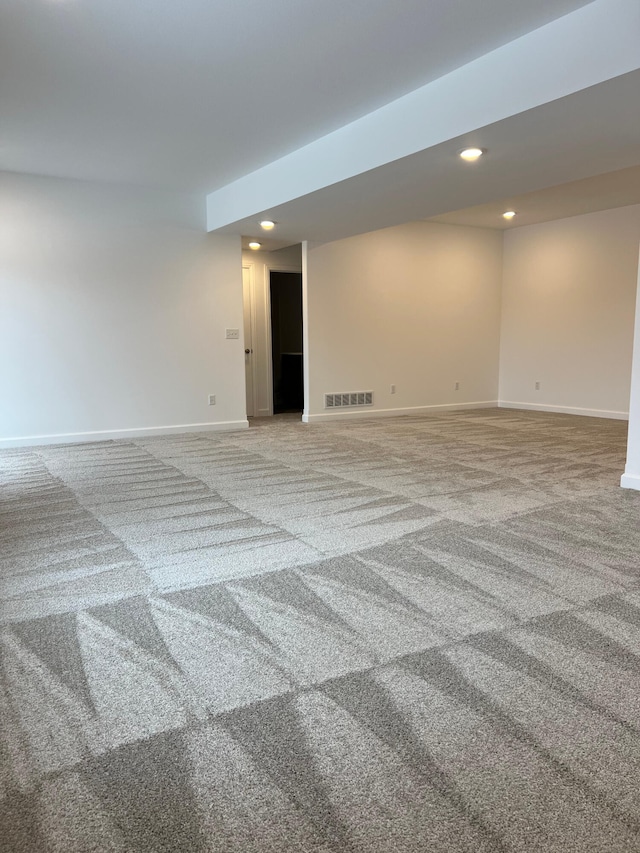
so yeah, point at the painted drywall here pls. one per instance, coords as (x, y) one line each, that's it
(631, 477)
(260, 265)
(114, 305)
(416, 306)
(582, 49)
(569, 292)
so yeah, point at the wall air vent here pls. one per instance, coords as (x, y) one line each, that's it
(350, 399)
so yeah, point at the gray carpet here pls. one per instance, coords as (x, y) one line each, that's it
(410, 634)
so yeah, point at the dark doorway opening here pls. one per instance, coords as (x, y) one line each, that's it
(286, 341)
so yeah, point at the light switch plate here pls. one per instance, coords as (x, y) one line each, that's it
(233, 334)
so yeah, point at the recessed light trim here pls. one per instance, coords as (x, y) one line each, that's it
(470, 155)
(267, 224)
(255, 245)
(509, 214)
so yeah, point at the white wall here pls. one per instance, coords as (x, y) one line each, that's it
(260, 265)
(569, 290)
(113, 306)
(114, 302)
(417, 306)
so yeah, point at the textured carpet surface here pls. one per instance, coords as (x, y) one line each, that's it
(411, 634)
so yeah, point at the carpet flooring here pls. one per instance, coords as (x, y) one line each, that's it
(408, 634)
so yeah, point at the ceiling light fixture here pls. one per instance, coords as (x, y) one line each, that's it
(508, 214)
(255, 245)
(470, 155)
(267, 225)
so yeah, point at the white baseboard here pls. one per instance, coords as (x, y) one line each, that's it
(565, 410)
(392, 413)
(453, 407)
(630, 481)
(110, 434)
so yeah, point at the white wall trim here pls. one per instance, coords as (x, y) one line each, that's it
(261, 266)
(392, 413)
(565, 410)
(269, 267)
(251, 269)
(630, 481)
(453, 407)
(306, 363)
(110, 434)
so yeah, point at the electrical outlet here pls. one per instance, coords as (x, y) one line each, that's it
(393, 389)
(537, 386)
(457, 388)
(233, 334)
(212, 399)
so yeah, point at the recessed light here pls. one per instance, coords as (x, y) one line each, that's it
(267, 224)
(254, 245)
(471, 154)
(508, 214)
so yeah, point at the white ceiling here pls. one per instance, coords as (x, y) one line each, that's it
(194, 94)
(601, 192)
(197, 94)
(592, 132)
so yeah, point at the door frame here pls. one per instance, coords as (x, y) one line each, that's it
(268, 269)
(252, 326)
(260, 271)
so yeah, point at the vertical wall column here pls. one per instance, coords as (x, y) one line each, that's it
(305, 330)
(631, 477)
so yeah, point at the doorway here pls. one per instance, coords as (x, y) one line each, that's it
(286, 341)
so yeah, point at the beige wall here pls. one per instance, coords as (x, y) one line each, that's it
(569, 291)
(416, 306)
(114, 305)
